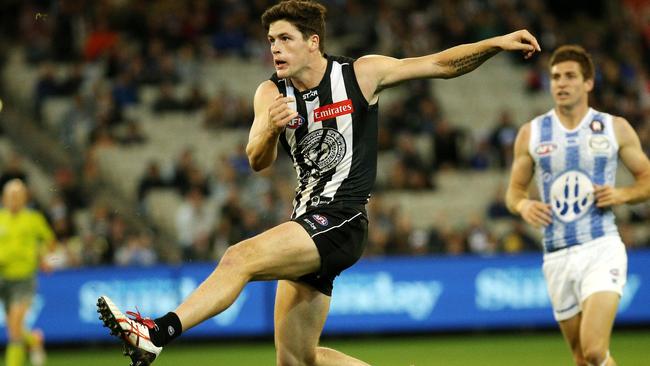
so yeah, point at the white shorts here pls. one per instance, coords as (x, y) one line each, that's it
(575, 273)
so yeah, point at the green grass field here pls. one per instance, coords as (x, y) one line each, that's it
(630, 348)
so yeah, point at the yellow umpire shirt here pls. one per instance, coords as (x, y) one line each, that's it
(21, 238)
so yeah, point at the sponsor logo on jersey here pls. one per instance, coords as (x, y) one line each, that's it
(596, 126)
(296, 122)
(310, 95)
(333, 110)
(572, 195)
(322, 220)
(545, 148)
(599, 144)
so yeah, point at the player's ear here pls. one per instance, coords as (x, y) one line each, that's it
(589, 84)
(314, 42)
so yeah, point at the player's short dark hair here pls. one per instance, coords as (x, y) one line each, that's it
(306, 15)
(575, 53)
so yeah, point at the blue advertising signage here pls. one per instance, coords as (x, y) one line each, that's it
(408, 294)
(65, 305)
(462, 293)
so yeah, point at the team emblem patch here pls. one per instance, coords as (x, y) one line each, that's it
(572, 195)
(323, 150)
(322, 220)
(296, 122)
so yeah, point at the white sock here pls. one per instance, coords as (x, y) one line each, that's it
(604, 363)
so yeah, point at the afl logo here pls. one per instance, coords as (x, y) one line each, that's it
(596, 126)
(545, 148)
(322, 220)
(296, 122)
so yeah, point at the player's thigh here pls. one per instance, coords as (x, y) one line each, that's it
(598, 313)
(300, 313)
(283, 252)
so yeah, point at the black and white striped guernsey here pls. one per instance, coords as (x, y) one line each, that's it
(333, 140)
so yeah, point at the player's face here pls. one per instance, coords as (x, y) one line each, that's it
(290, 51)
(568, 86)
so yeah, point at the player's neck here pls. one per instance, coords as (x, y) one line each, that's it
(570, 117)
(311, 75)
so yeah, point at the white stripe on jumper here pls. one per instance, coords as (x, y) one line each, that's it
(341, 224)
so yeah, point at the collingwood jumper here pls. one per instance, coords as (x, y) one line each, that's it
(333, 141)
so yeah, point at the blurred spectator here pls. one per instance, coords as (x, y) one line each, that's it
(131, 134)
(518, 240)
(182, 170)
(479, 238)
(195, 100)
(417, 174)
(125, 91)
(152, 179)
(502, 139)
(446, 146)
(77, 123)
(137, 251)
(167, 100)
(100, 40)
(497, 208)
(194, 225)
(46, 86)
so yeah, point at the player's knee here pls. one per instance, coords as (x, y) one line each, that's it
(287, 357)
(236, 255)
(595, 356)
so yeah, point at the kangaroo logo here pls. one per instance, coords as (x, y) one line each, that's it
(572, 195)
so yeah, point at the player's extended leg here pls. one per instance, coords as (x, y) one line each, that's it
(283, 252)
(15, 326)
(598, 313)
(571, 331)
(300, 313)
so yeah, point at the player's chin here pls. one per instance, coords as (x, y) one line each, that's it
(282, 73)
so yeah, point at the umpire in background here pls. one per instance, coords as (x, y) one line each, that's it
(24, 234)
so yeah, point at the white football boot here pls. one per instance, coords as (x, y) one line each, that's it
(133, 331)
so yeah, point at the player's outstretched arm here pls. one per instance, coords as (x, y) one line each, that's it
(272, 113)
(376, 72)
(533, 212)
(635, 160)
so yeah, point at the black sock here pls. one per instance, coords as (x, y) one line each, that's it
(168, 327)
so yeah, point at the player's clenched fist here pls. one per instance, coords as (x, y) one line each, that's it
(280, 113)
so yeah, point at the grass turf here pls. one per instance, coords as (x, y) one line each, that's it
(529, 349)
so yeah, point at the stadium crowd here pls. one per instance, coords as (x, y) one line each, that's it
(112, 49)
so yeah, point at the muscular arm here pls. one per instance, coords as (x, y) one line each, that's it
(522, 171)
(533, 212)
(271, 115)
(635, 161)
(376, 73)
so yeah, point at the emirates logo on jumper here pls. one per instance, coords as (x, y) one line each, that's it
(333, 110)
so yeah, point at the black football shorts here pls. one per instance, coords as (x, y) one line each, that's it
(340, 235)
